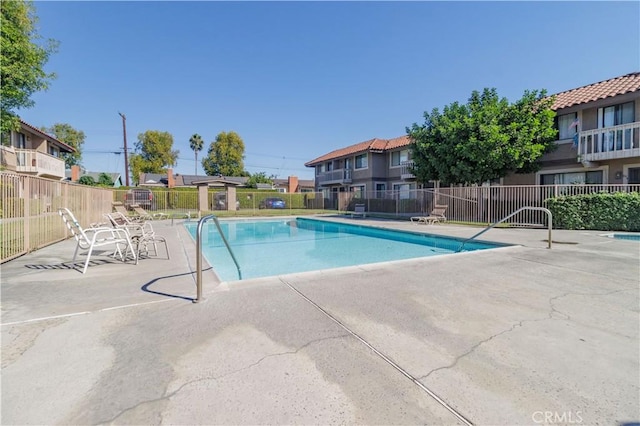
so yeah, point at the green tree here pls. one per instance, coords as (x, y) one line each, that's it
(154, 155)
(225, 156)
(196, 144)
(486, 138)
(87, 180)
(105, 180)
(72, 137)
(23, 55)
(257, 178)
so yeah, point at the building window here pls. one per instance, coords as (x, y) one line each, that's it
(330, 166)
(567, 126)
(358, 191)
(403, 190)
(572, 178)
(54, 151)
(320, 169)
(398, 157)
(613, 116)
(616, 114)
(21, 141)
(347, 163)
(380, 189)
(362, 161)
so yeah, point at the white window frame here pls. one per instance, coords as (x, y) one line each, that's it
(20, 142)
(564, 121)
(605, 173)
(625, 172)
(380, 193)
(396, 187)
(54, 151)
(355, 161)
(400, 160)
(362, 188)
(602, 109)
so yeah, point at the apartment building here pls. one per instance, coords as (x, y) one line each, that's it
(598, 136)
(374, 165)
(31, 151)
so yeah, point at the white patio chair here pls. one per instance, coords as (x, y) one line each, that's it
(141, 234)
(91, 238)
(142, 213)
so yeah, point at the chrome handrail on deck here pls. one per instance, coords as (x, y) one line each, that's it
(199, 253)
(547, 211)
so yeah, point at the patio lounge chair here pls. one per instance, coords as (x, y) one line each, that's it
(142, 213)
(436, 216)
(121, 209)
(141, 234)
(91, 238)
(359, 210)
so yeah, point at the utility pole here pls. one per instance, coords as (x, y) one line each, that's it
(126, 155)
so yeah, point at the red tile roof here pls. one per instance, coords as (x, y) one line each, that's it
(592, 92)
(374, 144)
(37, 131)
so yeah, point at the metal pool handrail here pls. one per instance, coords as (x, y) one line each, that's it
(547, 211)
(199, 253)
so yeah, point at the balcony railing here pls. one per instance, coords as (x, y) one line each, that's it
(609, 142)
(339, 176)
(406, 172)
(39, 164)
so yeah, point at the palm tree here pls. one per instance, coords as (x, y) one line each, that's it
(196, 145)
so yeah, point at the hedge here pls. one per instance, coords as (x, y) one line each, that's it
(618, 211)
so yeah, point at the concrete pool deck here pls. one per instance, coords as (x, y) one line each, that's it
(517, 335)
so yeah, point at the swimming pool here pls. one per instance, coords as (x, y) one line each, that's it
(274, 247)
(632, 237)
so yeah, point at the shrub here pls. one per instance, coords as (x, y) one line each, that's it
(618, 211)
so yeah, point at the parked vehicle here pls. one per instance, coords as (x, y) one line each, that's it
(220, 201)
(140, 196)
(272, 203)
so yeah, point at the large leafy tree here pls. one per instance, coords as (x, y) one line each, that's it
(260, 177)
(486, 138)
(196, 143)
(154, 154)
(66, 133)
(23, 55)
(225, 156)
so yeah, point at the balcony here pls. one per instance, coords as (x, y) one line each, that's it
(334, 177)
(406, 171)
(609, 143)
(29, 161)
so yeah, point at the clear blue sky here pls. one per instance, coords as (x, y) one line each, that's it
(299, 79)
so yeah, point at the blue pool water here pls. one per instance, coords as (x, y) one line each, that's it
(274, 247)
(633, 237)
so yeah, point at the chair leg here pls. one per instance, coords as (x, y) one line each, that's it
(75, 254)
(86, 262)
(166, 247)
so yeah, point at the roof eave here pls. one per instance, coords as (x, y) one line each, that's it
(50, 138)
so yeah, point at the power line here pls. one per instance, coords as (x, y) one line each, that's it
(277, 156)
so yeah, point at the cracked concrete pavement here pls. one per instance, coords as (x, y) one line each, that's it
(496, 336)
